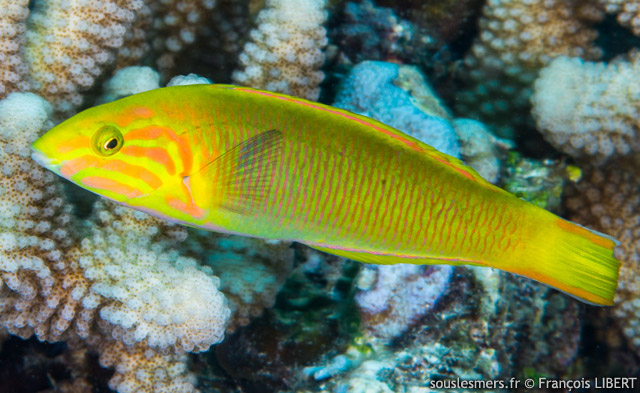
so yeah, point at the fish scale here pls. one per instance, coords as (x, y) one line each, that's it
(267, 165)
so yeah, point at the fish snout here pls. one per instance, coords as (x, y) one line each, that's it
(39, 155)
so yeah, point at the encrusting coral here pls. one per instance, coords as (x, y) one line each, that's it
(284, 52)
(397, 296)
(588, 109)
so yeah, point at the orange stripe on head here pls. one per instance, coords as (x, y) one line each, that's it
(156, 154)
(145, 133)
(154, 132)
(103, 183)
(78, 142)
(131, 114)
(134, 171)
(190, 209)
(71, 167)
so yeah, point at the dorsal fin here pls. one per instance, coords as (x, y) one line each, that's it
(397, 135)
(239, 178)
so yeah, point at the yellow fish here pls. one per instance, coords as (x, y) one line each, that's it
(251, 162)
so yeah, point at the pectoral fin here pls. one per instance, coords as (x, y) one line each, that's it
(240, 177)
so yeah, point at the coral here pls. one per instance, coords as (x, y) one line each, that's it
(175, 26)
(371, 89)
(628, 12)
(129, 80)
(608, 200)
(368, 32)
(68, 44)
(590, 109)
(13, 14)
(143, 289)
(141, 370)
(35, 230)
(191, 79)
(284, 52)
(540, 182)
(480, 149)
(516, 39)
(398, 296)
(486, 325)
(445, 20)
(251, 271)
(135, 41)
(121, 283)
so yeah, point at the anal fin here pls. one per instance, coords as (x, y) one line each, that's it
(389, 259)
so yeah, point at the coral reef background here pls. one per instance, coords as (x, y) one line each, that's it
(539, 96)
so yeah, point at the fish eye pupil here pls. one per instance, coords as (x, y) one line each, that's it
(111, 144)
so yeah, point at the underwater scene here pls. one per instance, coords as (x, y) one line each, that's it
(345, 196)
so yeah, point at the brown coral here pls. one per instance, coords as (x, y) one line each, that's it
(284, 53)
(608, 200)
(68, 44)
(13, 14)
(516, 39)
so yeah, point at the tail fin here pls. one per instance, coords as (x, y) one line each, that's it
(577, 261)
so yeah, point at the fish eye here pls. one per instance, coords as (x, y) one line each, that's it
(111, 144)
(107, 141)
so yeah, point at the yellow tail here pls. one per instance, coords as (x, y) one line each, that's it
(575, 260)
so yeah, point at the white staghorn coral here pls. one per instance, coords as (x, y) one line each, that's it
(284, 53)
(588, 109)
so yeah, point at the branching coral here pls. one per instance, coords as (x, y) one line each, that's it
(590, 109)
(35, 232)
(516, 39)
(69, 44)
(143, 288)
(122, 283)
(13, 15)
(284, 52)
(251, 271)
(628, 12)
(369, 32)
(175, 27)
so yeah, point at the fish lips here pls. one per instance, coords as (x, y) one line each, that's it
(44, 160)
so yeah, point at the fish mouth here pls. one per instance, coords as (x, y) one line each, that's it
(45, 161)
